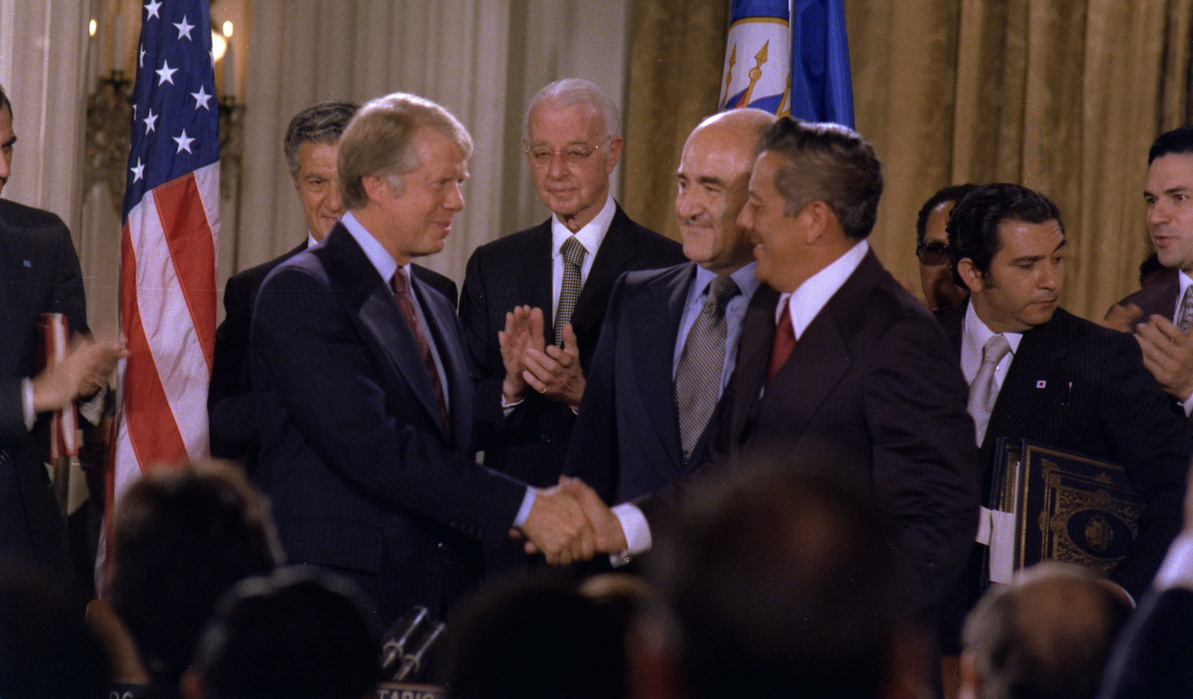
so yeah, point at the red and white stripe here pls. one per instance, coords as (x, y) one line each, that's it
(168, 312)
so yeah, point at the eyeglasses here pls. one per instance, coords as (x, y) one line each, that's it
(932, 254)
(575, 154)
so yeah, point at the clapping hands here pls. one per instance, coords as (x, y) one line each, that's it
(530, 362)
(81, 373)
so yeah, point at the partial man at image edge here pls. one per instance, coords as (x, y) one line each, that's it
(1160, 314)
(1039, 373)
(39, 273)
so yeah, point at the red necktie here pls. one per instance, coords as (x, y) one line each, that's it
(784, 342)
(406, 304)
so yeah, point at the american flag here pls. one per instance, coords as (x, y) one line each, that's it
(168, 246)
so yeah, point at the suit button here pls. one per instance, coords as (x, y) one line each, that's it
(441, 546)
(546, 438)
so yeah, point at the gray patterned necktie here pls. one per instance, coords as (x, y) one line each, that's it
(1185, 318)
(573, 257)
(698, 376)
(983, 392)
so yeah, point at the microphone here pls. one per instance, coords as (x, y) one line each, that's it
(412, 663)
(398, 637)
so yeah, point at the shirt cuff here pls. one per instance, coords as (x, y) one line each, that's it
(27, 403)
(93, 408)
(524, 510)
(1177, 569)
(1187, 405)
(507, 408)
(636, 530)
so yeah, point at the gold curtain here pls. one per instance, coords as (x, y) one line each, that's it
(1063, 96)
(677, 48)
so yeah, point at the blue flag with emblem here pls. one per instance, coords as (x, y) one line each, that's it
(789, 59)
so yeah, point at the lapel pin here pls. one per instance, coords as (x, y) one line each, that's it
(28, 264)
(1041, 384)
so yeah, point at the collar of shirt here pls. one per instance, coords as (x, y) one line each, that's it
(311, 242)
(743, 277)
(385, 264)
(735, 310)
(1184, 280)
(590, 236)
(974, 334)
(810, 298)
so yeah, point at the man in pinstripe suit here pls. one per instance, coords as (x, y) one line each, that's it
(572, 145)
(311, 146)
(1064, 382)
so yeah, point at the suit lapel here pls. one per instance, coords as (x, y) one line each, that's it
(1167, 293)
(821, 356)
(753, 356)
(441, 320)
(379, 315)
(10, 321)
(817, 363)
(618, 249)
(1024, 392)
(654, 333)
(533, 278)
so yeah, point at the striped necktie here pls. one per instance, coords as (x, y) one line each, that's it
(698, 375)
(573, 257)
(406, 305)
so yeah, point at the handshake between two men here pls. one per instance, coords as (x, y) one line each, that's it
(569, 522)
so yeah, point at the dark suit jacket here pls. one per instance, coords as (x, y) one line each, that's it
(1154, 653)
(516, 270)
(873, 392)
(1158, 298)
(39, 273)
(1078, 386)
(626, 440)
(231, 407)
(363, 476)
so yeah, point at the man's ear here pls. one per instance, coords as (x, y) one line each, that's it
(615, 145)
(818, 218)
(969, 274)
(375, 187)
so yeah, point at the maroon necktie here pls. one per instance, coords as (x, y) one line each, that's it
(784, 342)
(406, 304)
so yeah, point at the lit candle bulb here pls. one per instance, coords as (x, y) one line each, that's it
(229, 64)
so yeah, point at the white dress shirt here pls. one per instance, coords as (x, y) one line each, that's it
(590, 236)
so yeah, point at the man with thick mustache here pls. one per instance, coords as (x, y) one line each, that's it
(1055, 378)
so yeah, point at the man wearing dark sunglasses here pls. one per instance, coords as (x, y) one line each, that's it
(932, 249)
